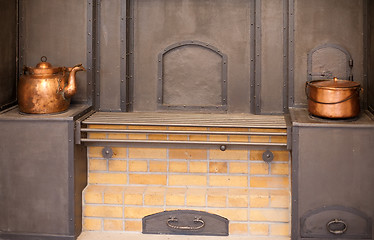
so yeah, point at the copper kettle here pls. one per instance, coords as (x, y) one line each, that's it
(46, 89)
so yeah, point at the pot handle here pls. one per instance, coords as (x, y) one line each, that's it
(307, 86)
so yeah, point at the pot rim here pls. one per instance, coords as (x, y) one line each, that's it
(351, 84)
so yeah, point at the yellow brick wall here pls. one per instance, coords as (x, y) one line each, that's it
(236, 184)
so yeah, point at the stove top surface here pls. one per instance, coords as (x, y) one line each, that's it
(301, 117)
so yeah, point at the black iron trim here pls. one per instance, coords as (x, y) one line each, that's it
(96, 43)
(130, 16)
(291, 52)
(257, 69)
(160, 77)
(252, 32)
(71, 205)
(285, 54)
(365, 84)
(90, 50)
(33, 236)
(295, 184)
(123, 60)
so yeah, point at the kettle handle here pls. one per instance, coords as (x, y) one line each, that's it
(25, 69)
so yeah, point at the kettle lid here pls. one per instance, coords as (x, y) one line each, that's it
(43, 64)
(44, 67)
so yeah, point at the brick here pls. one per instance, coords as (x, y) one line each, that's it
(188, 154)
(95, 152)
(139, 127)
(195, 197)
(91, 224)
(117, 136)
(218, 138)
(147, 153)
(187, 180)
(93, 197)
(281, 229)
(198, 137)
(96, 135)
(279, 139)
(224, 129)
(113, 225)
(228, 154)
(187, 128)
(259, 199)
(103, 211)
(269, 215)
(238, 228)
(259, 168)
(269, 182)
(178, 166)
(133, 198)
(218, 167)
(157, 137)
(238, 198)
(283, 156)
(278, 155)
(178, 137)
(158, 166)
(175, 196)
(97, 165)
(140, 212)
(280, 169)
(137, 136)
(238, 167)
(269, 130)
(138, 166)
(99, 126)
(117, 165)
(239, 138)
(119, 152)
(133, 226)
(259, 139)
(228, 181)
(259, 229)
(113, 197)
(234, 214)
(107, 178)
(216, 197)
(148, 179)
(280, 199)
(154, 196)
(198, 167)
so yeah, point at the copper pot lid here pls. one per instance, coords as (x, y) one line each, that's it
(44, 67)
(334, 84)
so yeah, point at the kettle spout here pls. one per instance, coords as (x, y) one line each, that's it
(71, 88)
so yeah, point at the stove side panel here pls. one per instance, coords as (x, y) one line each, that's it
(34, 179)
(333, 180)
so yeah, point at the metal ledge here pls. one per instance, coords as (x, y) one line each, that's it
(227, 124)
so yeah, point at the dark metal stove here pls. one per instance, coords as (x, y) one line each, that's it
(332, 177)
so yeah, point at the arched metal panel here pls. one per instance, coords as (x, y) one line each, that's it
(192, 75)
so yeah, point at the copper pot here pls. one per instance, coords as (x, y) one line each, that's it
(333, 98)
(46, 89)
